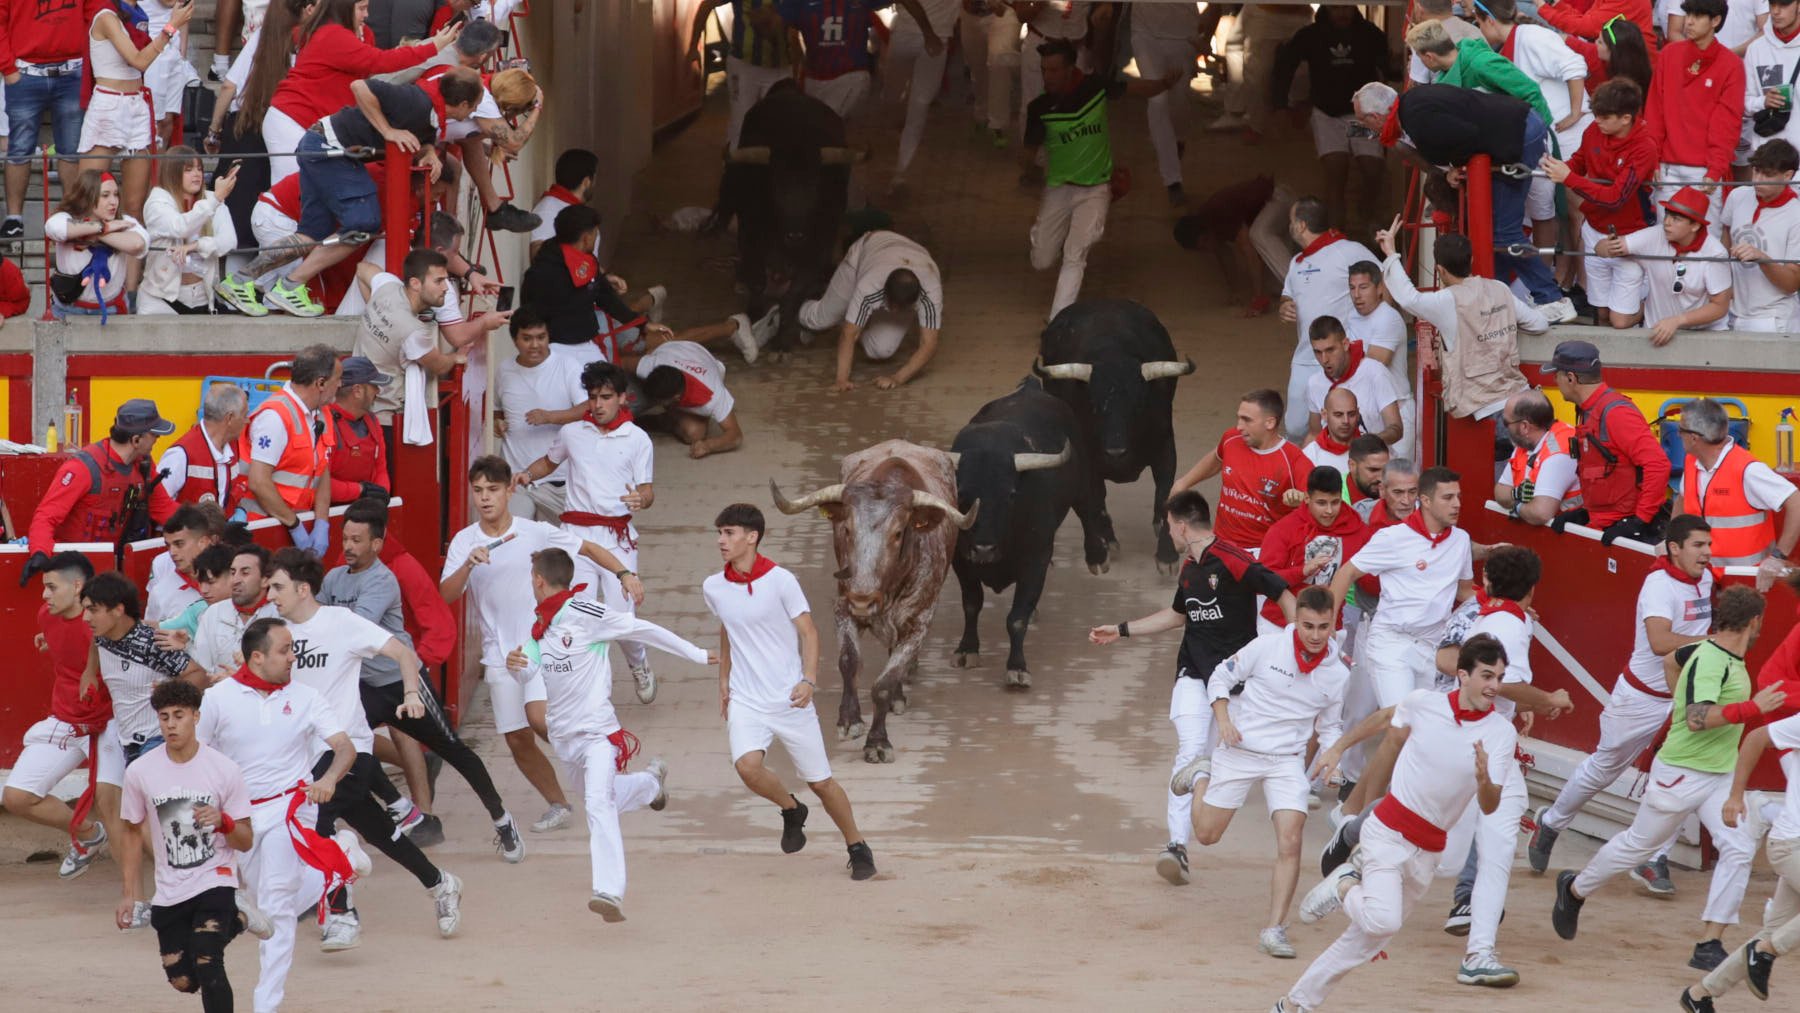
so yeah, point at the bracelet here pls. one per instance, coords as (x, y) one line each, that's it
(1124, 629)
(622, 574)
(169, 31)
(226, 823)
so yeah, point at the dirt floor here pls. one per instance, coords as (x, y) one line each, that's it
(1015, 832)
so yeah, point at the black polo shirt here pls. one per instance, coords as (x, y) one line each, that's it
(1217, 594)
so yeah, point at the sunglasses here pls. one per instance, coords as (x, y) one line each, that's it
(1680, 273)
(1685, 431)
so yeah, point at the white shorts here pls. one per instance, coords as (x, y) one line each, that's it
(1235, 771)
(55, 749)
(269, 225)
(168, 78)
(1540, 200)
(1615, 283)
(119, 122)
(798, 729)
(1331, 136)
(843, 93)
(509, 694)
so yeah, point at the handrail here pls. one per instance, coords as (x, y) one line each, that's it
(1594, 535)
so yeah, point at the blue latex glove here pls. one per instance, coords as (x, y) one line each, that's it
(321, 537)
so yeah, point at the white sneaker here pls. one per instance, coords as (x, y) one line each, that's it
(764, 330)
(75, 863)
(507, 840)
(351, 846)
(342, 932)
(744, 338)
(406, 815)
(646, 683)
(140, 914)
(1559, 312)
(448, 895)
(1328, 896)
(1486, 969)
(1229, 121)
(1286, 1005)
(659, 298)
(555, 818)
(255, 922)
(659, 769)
(608, 907)
(1183, 781)
(1274, 941)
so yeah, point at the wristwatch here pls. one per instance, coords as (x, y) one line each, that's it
(622, 574)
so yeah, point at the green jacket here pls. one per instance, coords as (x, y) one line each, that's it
(1478, 66)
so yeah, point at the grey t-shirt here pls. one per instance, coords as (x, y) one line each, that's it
(391, 336)
(373, 594)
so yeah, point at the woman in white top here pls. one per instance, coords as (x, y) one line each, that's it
(190, 233)
(119, 118)
(95, 248)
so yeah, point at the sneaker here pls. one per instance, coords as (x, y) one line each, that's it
(13, 229)
(1543, 839)
(793, 823)
(76, 861)
(448, 895)
(646, 683)
(255, 922)
(140, 914)
(659, 299)
(343, 931)
(1182, 783)
(294, 300)
(507, 840)
(1336, 851)
(764, 330)
(1286, 1005)
(1757, 965)
(1172, 864)
(1559, 312)
(862, 861)
(241, 296)
(1328, 896)
(1177, 196)
(1696, 1004)
(428, 833)
(608, 907)
(998, 138)
(407, 816)
(507, 218)
(1654, 874)
(1274, 942)
(556, 817)
(1486, 969)
(744, 338)
(1458, 922)
(659, 769)
(1565, 916)
(1228, 123)
(351, 846)
(1707, 955)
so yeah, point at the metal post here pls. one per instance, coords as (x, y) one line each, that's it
(396, 205)
(1480, 223)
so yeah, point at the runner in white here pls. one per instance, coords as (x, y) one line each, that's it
(768, 671)
(1316, 285)
(540, 392)
(1378, 325)
(567, 650)
(1289, 686)
(171, 587)
(217, 641)
(885, 284)
(1343, 365)
(1162, 43)
(491, 559)
(911, 73)
(1340, 424)
(128, 660)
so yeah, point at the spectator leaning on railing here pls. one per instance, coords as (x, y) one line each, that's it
(1540, 481)
(190, 233)
(1762, 225)
(1736, 493)
(1623, 471)
(1679, 294)
(95, 244)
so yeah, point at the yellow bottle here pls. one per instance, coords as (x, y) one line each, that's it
(50, 438)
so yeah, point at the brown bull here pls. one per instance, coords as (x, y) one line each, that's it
(893, 527)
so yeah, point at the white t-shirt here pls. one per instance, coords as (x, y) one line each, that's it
(166, 594)
(878, 254)
(239, 72)
(1384, 328)
(1280, 707)
(163, 794)
(329, 650)
(1762, 487)
(1687, 607)
(759, 623)
(605, 465)
(268, 433)
(1699, 280)
(486, 109)
(1738, 27)
(1319, 284)
(1514, 634)
(1785, 734)
(1372, 385)
(1551, 64)
(547, 208)
(1320, 456)
(502, 585)
(1776, 232)
(1434, 775)
(572, 657)
(553, 385)
(1556, 473)
(705, 394)
(272, 739)
(1418, 579)
(219, 638)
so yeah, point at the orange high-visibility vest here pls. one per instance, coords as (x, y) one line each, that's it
(302, 462)
(1526, 464)
(1741, 534)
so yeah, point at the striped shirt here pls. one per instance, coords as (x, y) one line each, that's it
(836, 33)
(751, 46)
(878, 254)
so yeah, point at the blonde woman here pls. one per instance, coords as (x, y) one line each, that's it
(190, 233)
(120, 117)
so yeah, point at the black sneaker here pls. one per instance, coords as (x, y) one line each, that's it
(1460, 917)
(1543, 839)
(1757, 965)
(1337, 850)
(1177, 196)
(1566, 915)
(793, 827)
(13, 229)
(507, 218)
(1345, 789)
(862, 861)
(1707, 955)
(429, 831)
(1172, 864)
(1703, 1004)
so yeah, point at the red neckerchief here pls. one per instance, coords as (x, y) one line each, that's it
(1350, 368)
(1325, 239)
(762, 565)
(1416, 521)
(618, 420)
(1463, 716)
(436, 93)
(1789, 37)
(1489, 606)
(1676, 572)
(1507, 48)
(1390, 129)
(1787, 194)
(1380, 518)
(1324, 439)
(1693, 247)
(584, 267)
(562, 193)
(1306, 667)
(1703, 58)
(254, 681)
(549, 607)
(187, 581)
(252, 610)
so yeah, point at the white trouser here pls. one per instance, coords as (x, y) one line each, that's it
(990, 47)
(1296, 417)
(284, 886)
(908, 68)
(539, 501)
(1397, 663)
(1613, 283)
(1070, 219)
(843, 93)
(270, 226)
(1166, 111)
(591, 763)
(829, 310)
(1269, 234)
(1191, 713)
(1628, 725)
(611, 591)
(1673, 795)
(281, 136)
(1781, 918)
(1496, 844)
(746, 84)
(1359, 701)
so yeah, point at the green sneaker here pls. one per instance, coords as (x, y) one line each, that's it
(241, 295)
(999, 138)
(293, 300)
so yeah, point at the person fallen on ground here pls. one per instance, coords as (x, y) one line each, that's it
(1676, 294)
(1344, 365)
(1251, 219)
(885, 286)
(1540, 480)
(1762, 225)
(687, 383)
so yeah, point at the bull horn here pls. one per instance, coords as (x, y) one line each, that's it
(1167, 370)
(1063, 370)
(962, 521)
(829, 494)
(1038, 462)
(753, 155)
(840, 156)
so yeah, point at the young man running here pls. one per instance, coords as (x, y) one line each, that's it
(330, 644)
(1443, 751)
(217, 640)
(768, 670)
(270, 726)
(1288, 684)
(172, 587)
(609, 479)
(201, 808)
(128, 660)
(1674, 609)
(491, 559)
(567, 650)
(1215, 606)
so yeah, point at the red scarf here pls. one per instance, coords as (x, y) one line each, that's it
(1787, 194)
(1463, 716)
(1380, 518)
(627, 744)
(1325, 239)
(563, 193)
(1390, 130)
(1416, 521)
(1489, 606)
(618, 420)
(1325, 440)
(1789, 37)
(187, 581)
(1703, 58)
(583, 266)
(320, 852)
(549, 607)
(1693, 247)
(762, 565)
(1306, 667)
(1350, 368)
(1676, 572)
(1508, 47)
(252, 610)
(254, 681)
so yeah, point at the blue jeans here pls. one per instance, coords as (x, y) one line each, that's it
(336, 193)
(26, 102)
(134, 750)
(1509, 219)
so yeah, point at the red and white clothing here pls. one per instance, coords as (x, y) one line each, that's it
(189, 861)
(217, 644)
(73, 257)
(1318, 280)
(1774, 228)
(1366, 378)
(703, 377)
(1251, 486)
(277, 212)
(329, 650)
(55, 746)
(1695, 111)
(758, 613)
(1322, 450)
(1611, 175)
(548, 207)
(116, 119)
(319, 85)
(1419, 575)
(1298, 538)
(1286, 696)
(605, 465)
(1496, 834)
(168, 592)
(183, 468)
(1700, 279)
(1385, 329)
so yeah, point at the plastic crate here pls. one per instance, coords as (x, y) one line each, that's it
(255, 388)
(1669, 430)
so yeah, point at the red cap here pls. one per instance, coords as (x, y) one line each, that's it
(1689, 203)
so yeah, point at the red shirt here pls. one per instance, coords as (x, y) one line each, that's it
(15, 297)
(70, 641)
(69, 489)
(329, 62)
(1695, 109)
(43, 31)
(1251, 488)
(1783, 669)
(1627, 164)
(1284, 551)
(1597, 71)
(1586, 22)
(356, 459)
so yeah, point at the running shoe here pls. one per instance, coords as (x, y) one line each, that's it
(1654, 874)
(1486, 969)
(351, 846)
(241, 295)
(1559, 311)
(75, 862)
(1458, 922)
(659, 769)
(1696, 1004)
(608, 907)
(507, 218)
(407, 816)
(998, 138)
(1286, 1005)
(294, 300)
(556, 817)
(793, 827)
(646, 682)
(744, 338)
(1565, 916)
(1177, 196)
(448, 895)
(428, 833)
(763, 330)
(1274, 942)
(1182, 783)
(862, 861)
(1328, 896)
(14, 228)
(1707, 955)
(1337, 849)
(255, 922)
(140, 914)
(343, 931)
(1757, 965)
(507, 840)
(1172, 864)
(1543, 839)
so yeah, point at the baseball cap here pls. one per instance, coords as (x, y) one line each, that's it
(1689, 203)
(138, 416)
(358, 369)
(1573, 357)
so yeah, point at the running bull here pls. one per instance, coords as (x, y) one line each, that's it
(1112, 361)
(1021, 458)
(893, 525)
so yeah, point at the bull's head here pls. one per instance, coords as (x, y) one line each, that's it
(1119, 391)
(796, 185)
(875, 527)
(992, 477)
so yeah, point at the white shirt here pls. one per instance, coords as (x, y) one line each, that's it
(764, 646)
(1785, 734)
(1768, 63)
(1738, 27)
(239, 72)
(1776, 232)
(1061, 19)
(1434, 775)
(1556, 473)
(73, 257)
(1439, 309)
(1319, 284)
(1514, 635)
(1699, 280)
(1280, 707)
(175, 461)
(329, 650)
(875, 256)
(1418, 580)
(1762, 487)
(1372, 386)
(1320, 456)
(547, 208)
(606, 465)
(705, 394)
(486, 109)
(268, 433)
(271, 738)
(131, 667)
(577, 675)
(218, 639)
(552, 385)
(1542, 55)
(166, 594)
(502, 585)
(1384, 328)
(1687, 607)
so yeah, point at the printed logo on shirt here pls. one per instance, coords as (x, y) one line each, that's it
(309, 657)
(1697, 610)
(67, 477)
(183, 841)
(1420, 566)
(1204, 611)
(46, 8)
(831, 30)
(1269, 486)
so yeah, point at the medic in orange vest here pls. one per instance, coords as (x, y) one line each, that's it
(87, 497)
(1736, 493)
(285, 450)
(1540, 480)
(202, 465)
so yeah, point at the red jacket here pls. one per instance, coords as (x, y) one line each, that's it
(15, 297)
(356, 459)
(1618, 194)
(329, 62)
(1622, 466)
(1598, 73)
(43, 31)
(74, 510)
(1586, 23)
(1783, 669)
(1284, 549)
(429, 620)
(1695, 109)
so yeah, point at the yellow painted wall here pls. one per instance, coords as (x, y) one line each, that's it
(177, 398)
(1765, 412)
